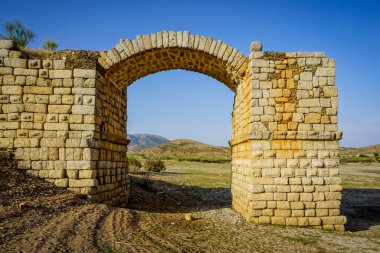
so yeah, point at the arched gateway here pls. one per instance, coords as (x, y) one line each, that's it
(64, 115)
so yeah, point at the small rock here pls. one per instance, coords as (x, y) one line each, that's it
(189, 217)
(23, 205)
(256, 46)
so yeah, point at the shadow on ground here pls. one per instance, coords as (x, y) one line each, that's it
(163, 197)
(361, 207)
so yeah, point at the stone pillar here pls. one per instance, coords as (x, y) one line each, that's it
(111, 143)
(47, 115)
(285, 167)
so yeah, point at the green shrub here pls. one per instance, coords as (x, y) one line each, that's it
(134, 163)
(154, 164)
(357, 159)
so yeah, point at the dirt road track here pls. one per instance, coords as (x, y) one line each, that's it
(38, 217)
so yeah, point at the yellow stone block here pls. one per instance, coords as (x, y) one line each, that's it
(313, 118)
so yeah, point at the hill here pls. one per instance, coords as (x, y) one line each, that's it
(369, 150)
(185, 149)
(142, 141)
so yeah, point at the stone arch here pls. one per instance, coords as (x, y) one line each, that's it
(64, 115)
(130, 60)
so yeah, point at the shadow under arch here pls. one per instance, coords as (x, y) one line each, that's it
(160, 196)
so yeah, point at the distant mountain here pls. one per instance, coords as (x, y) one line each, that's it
(190, 150)
(141, 141)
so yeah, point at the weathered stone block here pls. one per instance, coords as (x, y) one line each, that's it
(15, 63)
(7, 44)
(87, 173)
(258, 204)
(53, 142)
(11, 90)
(282, 212)
(84, 91)
(57, 173)
(38, 90)
(334, 220)
(25, 72)
(303, 221)
(59, 109)
(56, 126)
(60, 73)
(278, 220)
(82, 182)
(264, 220)
(84, 73)
(11, 108)
(83, 109)
(81, 165)
(291, 221)
(62, 182)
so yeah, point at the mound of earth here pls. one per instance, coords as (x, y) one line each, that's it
(189, 148)
(368, 150)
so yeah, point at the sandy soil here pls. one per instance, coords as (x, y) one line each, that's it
(370, 169)
(38, 217)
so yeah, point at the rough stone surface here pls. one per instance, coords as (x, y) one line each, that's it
(66, 121)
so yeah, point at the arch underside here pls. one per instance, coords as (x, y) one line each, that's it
(142, 64)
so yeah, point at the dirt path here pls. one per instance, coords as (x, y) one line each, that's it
(371, 170)
(38, 217)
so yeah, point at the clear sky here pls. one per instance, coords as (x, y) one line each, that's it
(180, 104)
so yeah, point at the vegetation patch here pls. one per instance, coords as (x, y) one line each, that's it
(154, 164)
(188, 150)
(360, 159)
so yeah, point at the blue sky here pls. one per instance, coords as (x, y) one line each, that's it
(180, 104)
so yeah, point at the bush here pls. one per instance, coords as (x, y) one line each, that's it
(17, 32)
(50, 45)
(134, 163)
(154, 164)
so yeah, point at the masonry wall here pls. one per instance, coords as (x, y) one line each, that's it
(285, 169)
(47, 117)
(111, 143)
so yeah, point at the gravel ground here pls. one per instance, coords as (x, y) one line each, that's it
(35, 216)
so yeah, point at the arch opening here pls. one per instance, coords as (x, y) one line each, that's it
(184, 104)
(200, 182)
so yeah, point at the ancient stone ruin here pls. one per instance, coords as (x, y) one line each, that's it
(64, 116)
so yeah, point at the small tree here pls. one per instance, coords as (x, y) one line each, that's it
(17, 32)
(154, 164)
(50, 44)
(134, 163)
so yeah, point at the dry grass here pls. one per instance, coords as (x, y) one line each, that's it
(39, 53)
(189, 150)
(357, 151)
